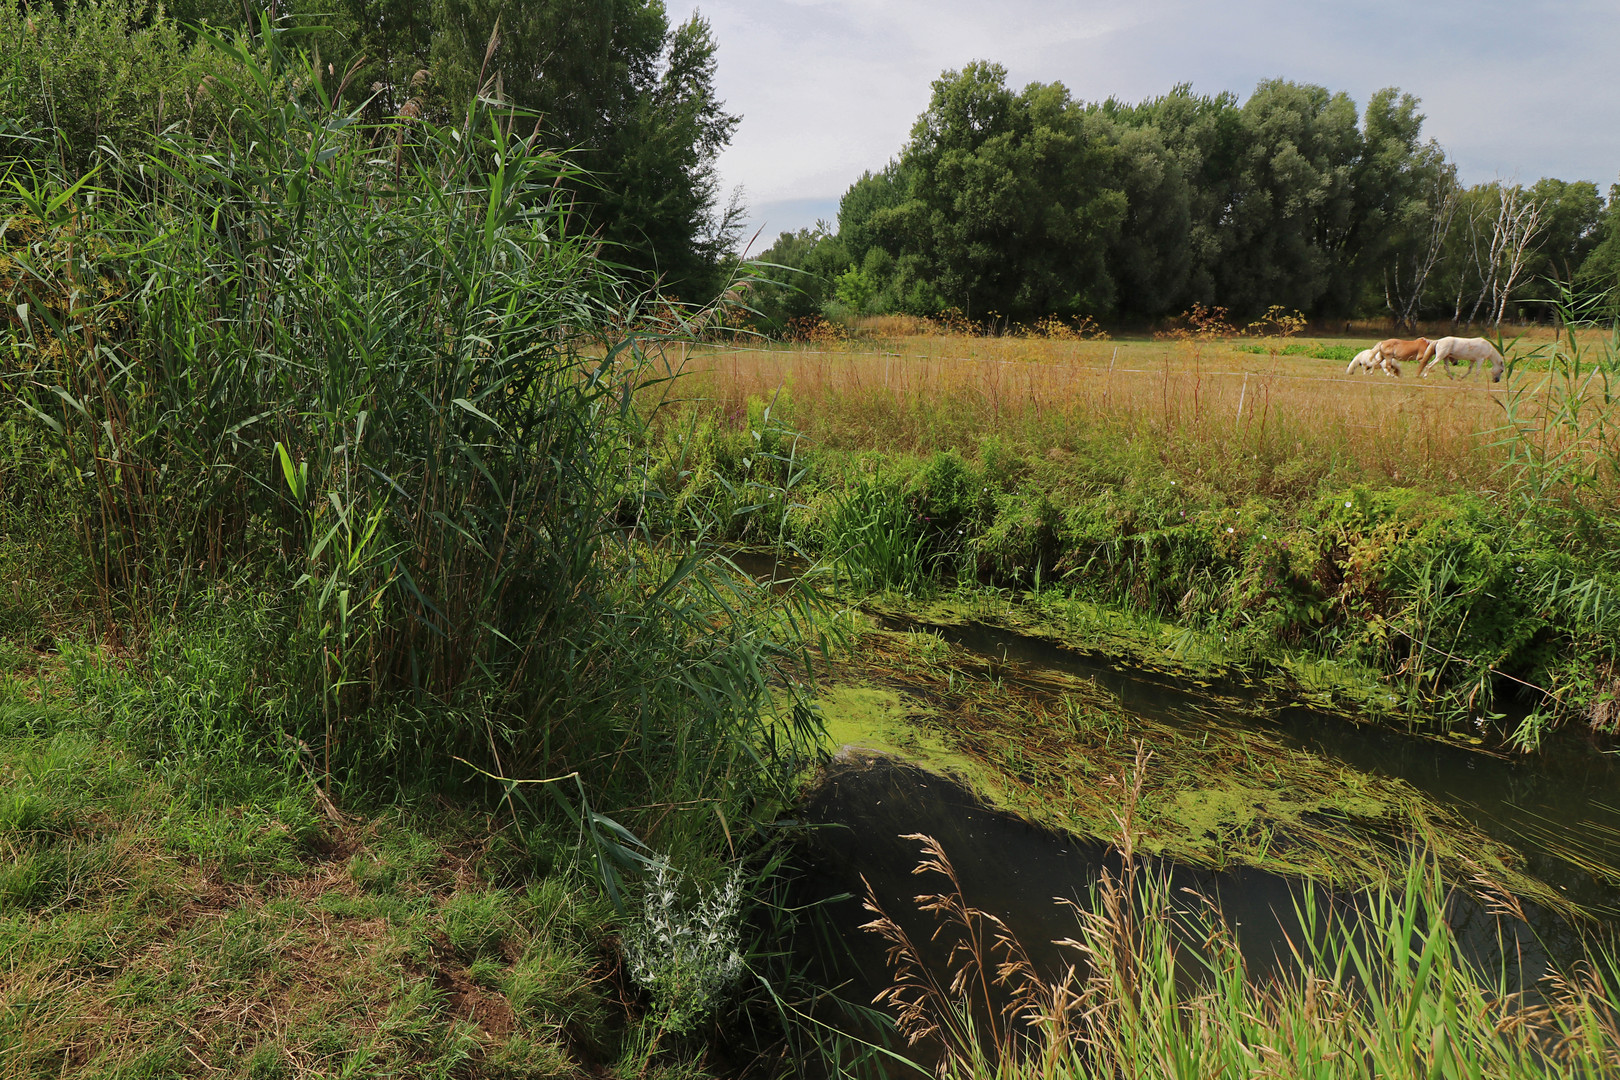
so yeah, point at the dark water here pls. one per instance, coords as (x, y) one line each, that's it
(864, 807)
(1556, 808)
(868, 805)
(1560, 807)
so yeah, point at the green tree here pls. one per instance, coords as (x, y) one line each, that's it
(1205, 137)
(1572, 215)
(1415, 263)
(1294, 205)
(1028, 203)
(865, 199)
(1011, 206)
(631, 98)
(797, 275)
(878, 230)
(1151, 259)
(1598, 278)
(1403, 186)
(636, 101)
(86, 79)
(856, 291)
(377, 52)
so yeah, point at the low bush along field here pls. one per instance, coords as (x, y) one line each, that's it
(1452, 537)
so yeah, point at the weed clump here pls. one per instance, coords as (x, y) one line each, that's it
(685, 955)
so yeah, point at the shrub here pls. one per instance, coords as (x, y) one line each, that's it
(686, 955)
(82, 81)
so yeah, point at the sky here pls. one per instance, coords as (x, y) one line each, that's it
(1513, 89)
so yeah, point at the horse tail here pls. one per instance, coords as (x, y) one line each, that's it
(1431, 356)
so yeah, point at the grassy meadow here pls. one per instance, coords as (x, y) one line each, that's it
(930, 392)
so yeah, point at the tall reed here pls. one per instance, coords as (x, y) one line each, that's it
(364, 373)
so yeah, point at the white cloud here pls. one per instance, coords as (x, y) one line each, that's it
(829, 88)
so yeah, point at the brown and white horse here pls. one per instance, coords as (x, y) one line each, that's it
(1402, 350)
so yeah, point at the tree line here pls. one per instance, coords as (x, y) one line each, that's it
(627, 96)
(1024, 204)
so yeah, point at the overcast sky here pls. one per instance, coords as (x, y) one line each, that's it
(1513, 89)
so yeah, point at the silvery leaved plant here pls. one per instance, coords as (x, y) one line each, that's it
(686, 956)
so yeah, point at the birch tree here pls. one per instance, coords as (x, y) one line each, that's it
(1517, 227)
(1407, 278)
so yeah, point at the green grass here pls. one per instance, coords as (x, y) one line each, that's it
(1315, 350)
(322, 499)
(399, 527)
(145, 930)
(363, 644)
(1461, 603)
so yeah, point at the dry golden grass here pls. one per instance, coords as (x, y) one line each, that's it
(892, 326)
(926, 393)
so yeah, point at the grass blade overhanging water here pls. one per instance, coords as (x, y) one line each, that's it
(1382, 989)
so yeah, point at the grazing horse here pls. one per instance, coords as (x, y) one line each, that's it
(1475, 350)
(1367, 359)
(1400, 349)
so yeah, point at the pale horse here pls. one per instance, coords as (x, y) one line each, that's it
(1475, 350)
(1367, 359)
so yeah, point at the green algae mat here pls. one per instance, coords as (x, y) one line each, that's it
(1061, 751)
